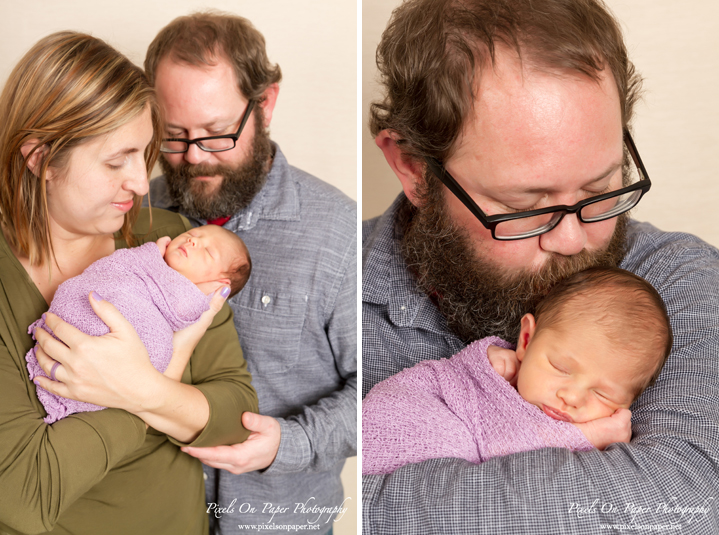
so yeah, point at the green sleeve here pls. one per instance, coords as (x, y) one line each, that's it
(45, 468)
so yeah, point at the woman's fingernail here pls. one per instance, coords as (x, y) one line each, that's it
(44, 317)
(96, 296)
(225, 292)
(37, 383)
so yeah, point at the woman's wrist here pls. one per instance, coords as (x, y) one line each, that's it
(174, 408)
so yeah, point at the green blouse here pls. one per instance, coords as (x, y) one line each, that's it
(101, 472)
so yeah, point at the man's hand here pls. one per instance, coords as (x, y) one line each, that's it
(605, 431)
(255, 453)
(505, 363)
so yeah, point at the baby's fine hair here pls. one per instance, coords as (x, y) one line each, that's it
(626, 307)
(239, 272)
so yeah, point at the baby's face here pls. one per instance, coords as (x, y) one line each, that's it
(203, 254)
(575, 376)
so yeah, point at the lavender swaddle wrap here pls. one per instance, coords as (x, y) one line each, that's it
(457, 407)
(153, 297)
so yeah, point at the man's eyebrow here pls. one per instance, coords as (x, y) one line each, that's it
(205, 126)
(611, 169)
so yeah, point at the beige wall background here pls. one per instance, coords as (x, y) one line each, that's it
(674, 45)
(315, 43)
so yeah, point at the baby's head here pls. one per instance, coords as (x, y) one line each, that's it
(595, 343)
(210, 256)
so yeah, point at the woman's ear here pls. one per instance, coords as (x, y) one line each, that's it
(34, 158)
(526, 332)
(407, 170)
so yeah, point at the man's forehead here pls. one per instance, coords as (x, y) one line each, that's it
(531, 121)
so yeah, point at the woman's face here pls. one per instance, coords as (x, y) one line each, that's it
(94, 191)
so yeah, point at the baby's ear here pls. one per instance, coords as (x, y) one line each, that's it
(526, 333)
(162, 244)
(211, 287)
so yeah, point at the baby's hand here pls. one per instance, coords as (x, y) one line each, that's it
(162, 244)
(505, 363)
(608, 430)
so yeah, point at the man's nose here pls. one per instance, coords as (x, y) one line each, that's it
(195, 155)
(567, 238)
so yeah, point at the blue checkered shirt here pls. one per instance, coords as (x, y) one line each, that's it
(666, 479)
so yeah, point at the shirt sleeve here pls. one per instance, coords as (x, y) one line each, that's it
(666, 476)
(325, 433)
(46, 468)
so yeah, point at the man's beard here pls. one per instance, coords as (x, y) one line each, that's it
(478, 297)
(237, 189)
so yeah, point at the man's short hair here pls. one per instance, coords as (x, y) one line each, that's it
(202, 38)
(624, 306)
(431, 50)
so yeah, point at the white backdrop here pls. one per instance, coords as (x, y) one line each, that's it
(314, 42)
(674, 45)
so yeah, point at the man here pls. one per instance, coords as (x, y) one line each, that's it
(296, 318)
(493, 112)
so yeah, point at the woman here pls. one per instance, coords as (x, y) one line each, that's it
(80, 133)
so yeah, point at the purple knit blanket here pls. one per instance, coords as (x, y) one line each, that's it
(152, 296)
(457, 407)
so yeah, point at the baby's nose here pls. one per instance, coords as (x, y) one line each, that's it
(571, 396)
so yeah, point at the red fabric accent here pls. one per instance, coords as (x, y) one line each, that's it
(219, 221)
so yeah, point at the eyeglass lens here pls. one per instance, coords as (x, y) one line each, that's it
(596, 211)
(207, 145)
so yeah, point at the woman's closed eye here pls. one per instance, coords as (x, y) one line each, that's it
(117, 163)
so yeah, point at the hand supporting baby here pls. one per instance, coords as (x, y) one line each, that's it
(185, 341)
(600, 432)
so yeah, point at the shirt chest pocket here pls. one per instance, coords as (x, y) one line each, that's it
(270, 325)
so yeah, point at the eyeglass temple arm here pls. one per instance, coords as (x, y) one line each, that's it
(452, 185)
(246, 116)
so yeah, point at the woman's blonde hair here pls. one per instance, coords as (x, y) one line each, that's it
(68, 89)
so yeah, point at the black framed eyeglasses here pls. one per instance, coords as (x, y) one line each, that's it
(208, 144)
(522, 225)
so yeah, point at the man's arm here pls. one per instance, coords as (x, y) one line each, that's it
(666, 476)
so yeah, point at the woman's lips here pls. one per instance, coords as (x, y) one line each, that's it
(123, 206)
(557, 415)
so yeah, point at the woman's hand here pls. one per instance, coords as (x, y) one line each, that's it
(113, 370)
(185, 341)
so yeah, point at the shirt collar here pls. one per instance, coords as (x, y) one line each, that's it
(386, 279)
(278, 199)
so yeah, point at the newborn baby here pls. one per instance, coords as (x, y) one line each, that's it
(158, 287)
(594, 344)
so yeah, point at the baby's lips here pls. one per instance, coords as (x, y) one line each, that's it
(556, 414)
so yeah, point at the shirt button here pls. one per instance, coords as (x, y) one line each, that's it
(266, 299)
(403, 307)
(204, 475)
